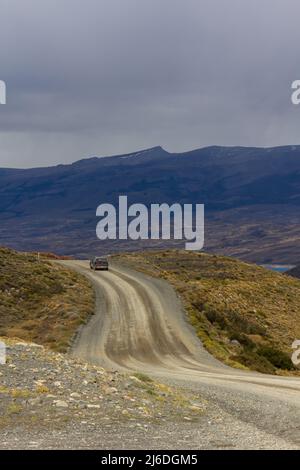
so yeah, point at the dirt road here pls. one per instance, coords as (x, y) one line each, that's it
(140, 325)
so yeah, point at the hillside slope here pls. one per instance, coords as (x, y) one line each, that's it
(294, 272)
(245, 191)
(41, 301)
(245, 315)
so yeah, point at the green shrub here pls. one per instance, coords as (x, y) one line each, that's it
(278, 358)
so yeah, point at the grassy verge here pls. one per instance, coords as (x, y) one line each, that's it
(245, 315)
(41, 301)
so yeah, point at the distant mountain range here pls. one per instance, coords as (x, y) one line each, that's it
(251, 195)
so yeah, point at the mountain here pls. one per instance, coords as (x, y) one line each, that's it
(251, 197)
(295, 272)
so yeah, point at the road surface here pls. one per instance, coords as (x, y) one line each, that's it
(139, 325)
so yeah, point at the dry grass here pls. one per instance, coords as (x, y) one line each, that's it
(245, 315)
(41, 301)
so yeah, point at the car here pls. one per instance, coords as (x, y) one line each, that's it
(99, 262)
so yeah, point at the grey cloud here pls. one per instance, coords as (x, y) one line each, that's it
(109, 76)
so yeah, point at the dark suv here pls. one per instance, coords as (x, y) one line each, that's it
(99, 262)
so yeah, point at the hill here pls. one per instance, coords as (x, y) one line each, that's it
(245, 315)
(251, 196)
(41, 301)
(294, 272)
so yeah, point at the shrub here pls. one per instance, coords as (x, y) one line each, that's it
(278, 358)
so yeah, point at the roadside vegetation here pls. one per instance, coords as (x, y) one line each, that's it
(41, 301)
(245, 315)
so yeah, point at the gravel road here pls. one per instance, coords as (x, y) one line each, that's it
(140, 325)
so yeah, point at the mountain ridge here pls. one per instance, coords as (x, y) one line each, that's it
(212, 148)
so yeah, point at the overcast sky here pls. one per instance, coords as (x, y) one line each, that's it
(102, 77)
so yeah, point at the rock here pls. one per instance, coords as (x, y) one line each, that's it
(37, 346)
(111, 390)
(128, 385)
(195, 408)
(35, 401)
(75, 395)
(135, 379)
(89, 405)
(61, 404)
(33, 443)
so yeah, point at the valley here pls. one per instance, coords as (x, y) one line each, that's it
(250, 194)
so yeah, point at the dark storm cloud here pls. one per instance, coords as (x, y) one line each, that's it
(99, 77)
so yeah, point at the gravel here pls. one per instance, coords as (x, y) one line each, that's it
(51, 401)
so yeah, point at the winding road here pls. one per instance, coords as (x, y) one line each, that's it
(140, 325)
